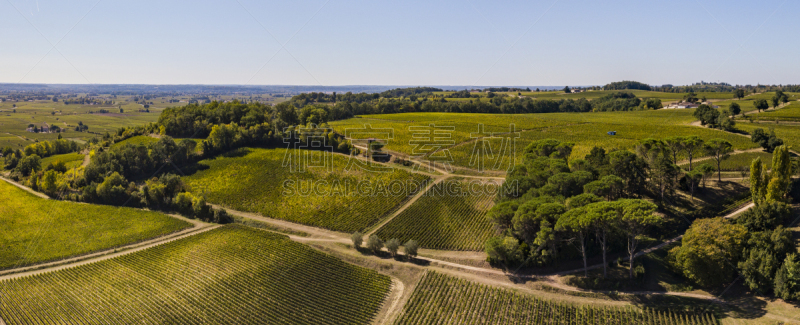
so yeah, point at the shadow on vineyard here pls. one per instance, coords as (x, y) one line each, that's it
(387, 256)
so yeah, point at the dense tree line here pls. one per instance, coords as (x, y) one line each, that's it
(619, 101)
(713, 118)
(754, 245)
(626, 84)
(548, 203)
(23, 163)
(499, 104)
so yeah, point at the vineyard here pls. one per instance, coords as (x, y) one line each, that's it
(559, 94)
(71, 160)
(451, 215)
(230, 275)
(441, 299)
(736, 162)
(585, 136)
(789, 113)
(36, 230)
(586, 130)
(340, 197)
(789, 133)
(137, 140)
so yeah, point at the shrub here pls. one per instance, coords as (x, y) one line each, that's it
(374, 244)
(393, 245)
(358, 239)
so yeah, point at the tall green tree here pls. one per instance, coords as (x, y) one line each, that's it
(735, 109)
(760, 104)
(637, 216)
(707, 115)
(691, 145)
(710, 251)
(719, 149)
(603, 218)
(758, 181)
(780, 177)
(739, 93)
(694, 177)
(787, 279)
(675, 145)
(578, 225)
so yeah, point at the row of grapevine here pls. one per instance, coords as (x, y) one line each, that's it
(586, 130)
(339, 196)
(37, 230)
(441, 299)
(451, 216)
(230, 275)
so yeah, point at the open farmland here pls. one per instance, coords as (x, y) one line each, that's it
(789, 133)
(36, 230)
(451, 215)
(737, 161)
(230, 275)
(71, 160)
(586, 130)
(592, 94)
(442, 299)
(790, 113)
(67, 117)
(256, 180)
(137, 140)
(746, 104)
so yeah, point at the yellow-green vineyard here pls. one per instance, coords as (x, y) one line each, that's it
(451, 215)
(339, 198)
(441, 299)
(37, 230)
(230, 275)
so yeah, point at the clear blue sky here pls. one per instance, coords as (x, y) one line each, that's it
(338, 42)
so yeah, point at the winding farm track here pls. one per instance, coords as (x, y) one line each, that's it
(107, 255)
(199, 227)
(396, 298)
(25, 188)
(336, 239)
(405, 206)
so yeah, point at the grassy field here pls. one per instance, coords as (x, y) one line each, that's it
(586, 130)
(737, 161)
(36, 230)
(746, 103)
(558, 94)
(230, 275)
(137, 140)
(74, 159)
(256, 180)
(441, 299)
(451, 216)
(67, 117)
(789, 133)
(790, 113)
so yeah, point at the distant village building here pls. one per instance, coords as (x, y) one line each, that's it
(577, 90)
(683, 105)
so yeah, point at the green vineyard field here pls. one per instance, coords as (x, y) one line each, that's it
(736, 162)
(586, 130)
(36, 230)
(789, 133)
(451, 216)
(71, 160)
(137, 140)
(230, 275)
(441, 299)
(789, 113)
(256, 180)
